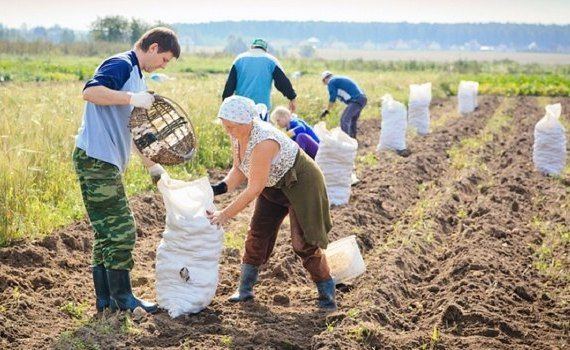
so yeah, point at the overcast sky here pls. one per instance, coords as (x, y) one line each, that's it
(78, 14)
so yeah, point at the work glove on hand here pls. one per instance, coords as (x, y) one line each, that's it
(155, 172)
(324, 113)
(141, 99)
(220, 188)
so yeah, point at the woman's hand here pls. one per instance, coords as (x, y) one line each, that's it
(217, 218)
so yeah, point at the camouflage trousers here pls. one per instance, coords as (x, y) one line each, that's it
(108, 210)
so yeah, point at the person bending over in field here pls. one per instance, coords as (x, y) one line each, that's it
(346, 90)
(283, 180)
(297, 129)
(103, 148)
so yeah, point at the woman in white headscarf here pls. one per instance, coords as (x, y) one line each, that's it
(283, 180)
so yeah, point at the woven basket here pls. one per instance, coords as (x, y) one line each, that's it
(164, 132)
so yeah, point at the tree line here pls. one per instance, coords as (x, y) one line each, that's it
(514, 36)
(119, 29)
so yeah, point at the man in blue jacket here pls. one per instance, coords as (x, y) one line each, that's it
(347, 91)
(103, 149)
(252, 74)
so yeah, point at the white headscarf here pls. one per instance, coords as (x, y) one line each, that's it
(238, 109)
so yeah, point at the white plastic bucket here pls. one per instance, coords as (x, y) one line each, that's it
(344, 259)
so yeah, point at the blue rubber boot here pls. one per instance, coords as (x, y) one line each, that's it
(247, 279)
(326, 294)
(122, 294)
(101, 288)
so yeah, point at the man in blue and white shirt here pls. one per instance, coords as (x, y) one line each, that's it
(348, 92)
(103, 149)
(252, 74)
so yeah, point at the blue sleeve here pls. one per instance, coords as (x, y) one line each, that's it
(332, 92)
(298, 130)
(113, 74)
(293, 123)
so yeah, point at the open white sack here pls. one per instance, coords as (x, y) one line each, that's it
(335, 157)
(393, 126)
(418, 107)
(467, 96)
(188, 255)
(549, 149)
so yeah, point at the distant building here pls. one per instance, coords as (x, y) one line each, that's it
(472, 45)
(315, 42)
(532, 47)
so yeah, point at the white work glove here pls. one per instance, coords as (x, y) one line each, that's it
(156, 172)
(141, 99)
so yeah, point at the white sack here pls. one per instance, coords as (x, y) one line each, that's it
(418, 107)
(549, 150)
(394, 124)
(188, 255)
(335, 157)
(467, 96)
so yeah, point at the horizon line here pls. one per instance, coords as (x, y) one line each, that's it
(300, 21)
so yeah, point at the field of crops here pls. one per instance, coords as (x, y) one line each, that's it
(42, 107)
(465, 245)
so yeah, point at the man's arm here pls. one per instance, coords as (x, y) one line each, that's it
(231, 83)
(155, 170)
(103, 96)
(283, 84)
(333, 91)
(332, 98)
(104, 88)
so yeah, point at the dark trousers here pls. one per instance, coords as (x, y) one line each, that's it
(351, 114)
(307, 144)
(271, 207)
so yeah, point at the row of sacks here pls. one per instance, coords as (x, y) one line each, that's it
(395, 118)
(337, 151)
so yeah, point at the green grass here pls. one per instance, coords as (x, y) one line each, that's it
(226, 341)
(551, 256)
(67, 340)
(518, 84)
(90, 334)
(77, 311)
(434, 339)
(128, 326)
(368, 160)
(461, 155)
(352, 313)
(37, 129)
(235, 240)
